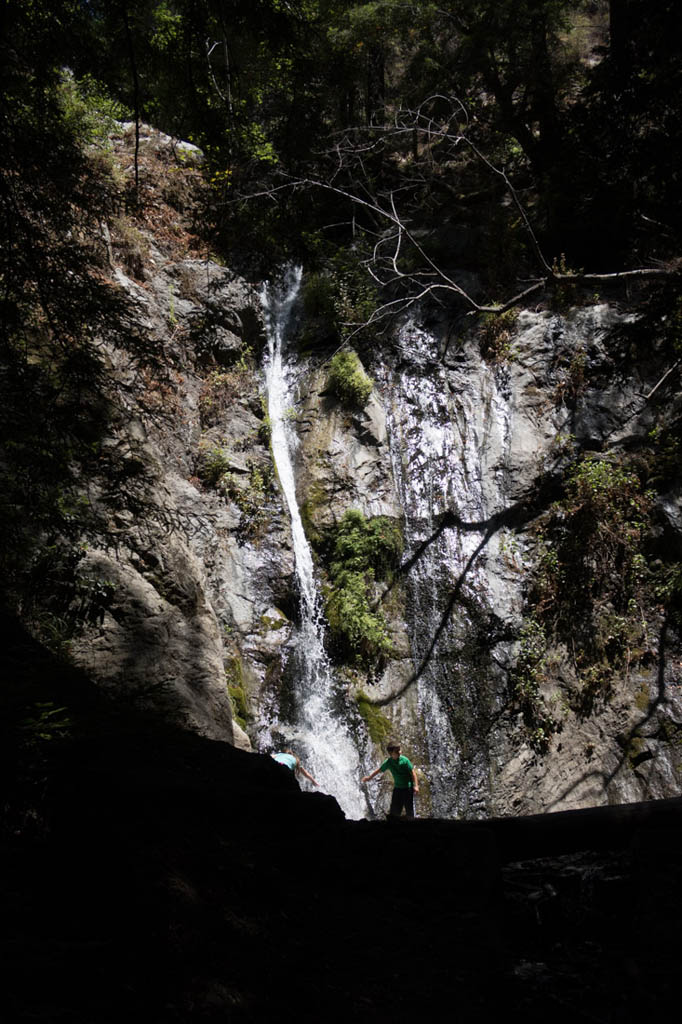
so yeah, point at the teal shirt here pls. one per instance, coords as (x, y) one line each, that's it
(287, 759)
(401, 770)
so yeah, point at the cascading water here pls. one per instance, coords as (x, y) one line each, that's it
(449, 434)
(315, 731)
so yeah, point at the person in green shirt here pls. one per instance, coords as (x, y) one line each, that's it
(405, 783)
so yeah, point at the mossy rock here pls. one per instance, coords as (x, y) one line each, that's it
(272, 623)
(316, 499)
(234, 677)
(378, 725)
(240, 710)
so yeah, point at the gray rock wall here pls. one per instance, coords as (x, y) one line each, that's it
(464, 446)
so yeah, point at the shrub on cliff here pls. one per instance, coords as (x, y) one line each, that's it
(359, 632)
(361, 552)
(360, 544)
(593, 581)
(347, 379)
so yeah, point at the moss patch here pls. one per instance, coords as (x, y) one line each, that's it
(378, 725)
(234, 677)
(316, 498)
(271, 623)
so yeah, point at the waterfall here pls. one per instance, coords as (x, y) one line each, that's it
(449, 432)
(316, 731)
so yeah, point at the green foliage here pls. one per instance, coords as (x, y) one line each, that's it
(265, 428)
(605, 492)
(347, 379)
(359, 634)
(239, 706)
(564, 294)
(592, 577)
(318, 297)
(597, 532)
(89, 111)
(668, 584)
(496, 332)
(46, 723)
(588, 138)
(339, 298)
(527, 678)
(58, 313)
(356, 296)
(666, 445)
(271, 623)
(234, 678)
(360, 544)
(360, 552)
(251, 496)
(320, 326)
(212, 464)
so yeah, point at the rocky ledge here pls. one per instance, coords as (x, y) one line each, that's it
(156, 873)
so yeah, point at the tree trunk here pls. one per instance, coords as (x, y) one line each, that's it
(375, 101)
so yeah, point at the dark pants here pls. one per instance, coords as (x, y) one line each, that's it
(402, 799)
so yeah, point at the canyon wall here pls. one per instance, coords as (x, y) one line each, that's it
(505, 454)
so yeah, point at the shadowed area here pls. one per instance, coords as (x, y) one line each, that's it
(152, 872)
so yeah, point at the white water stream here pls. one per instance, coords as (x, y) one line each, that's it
(449, 441)
(316, 734)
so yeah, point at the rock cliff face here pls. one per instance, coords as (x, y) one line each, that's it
(469, 443)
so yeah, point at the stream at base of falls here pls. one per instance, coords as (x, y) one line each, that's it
(314, 731)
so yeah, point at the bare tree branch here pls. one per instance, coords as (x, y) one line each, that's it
(349, 153)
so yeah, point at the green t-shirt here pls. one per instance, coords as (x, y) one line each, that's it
(401, 770)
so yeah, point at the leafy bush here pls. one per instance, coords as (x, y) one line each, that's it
(46, 722)
(251, 496)
(348, 380)
(593, 539)
(340, 297)
(212, 465)
(496, 333)
(592, 578)
(319, 311)
(361, 544)
(527, 677)
(361, 551)
(89, 111)
(360, 634)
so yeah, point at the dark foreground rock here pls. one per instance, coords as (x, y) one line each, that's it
(149, 873)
